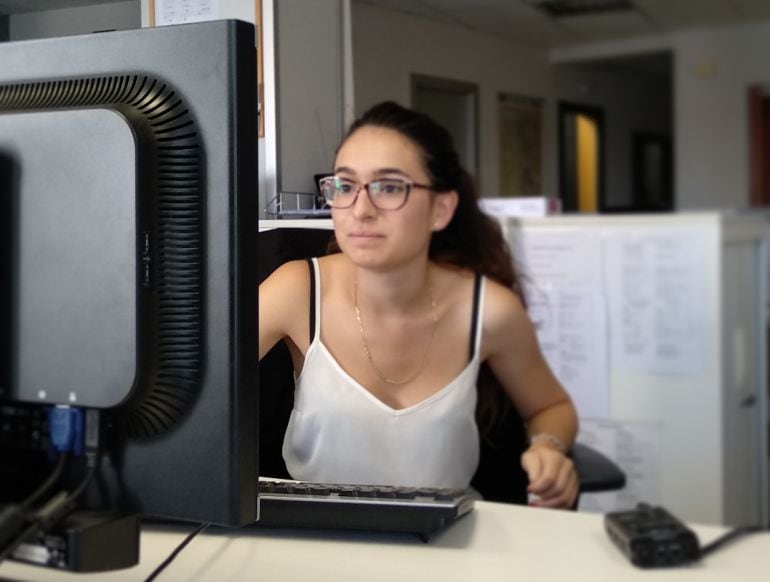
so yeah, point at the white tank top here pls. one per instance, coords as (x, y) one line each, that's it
(340, 433)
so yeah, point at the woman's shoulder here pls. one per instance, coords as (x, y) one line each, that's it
(288, 284)
(291, 272)
(502, 307)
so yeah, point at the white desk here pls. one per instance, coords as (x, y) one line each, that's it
(495, 542)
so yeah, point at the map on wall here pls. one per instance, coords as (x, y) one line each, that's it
(521, 121)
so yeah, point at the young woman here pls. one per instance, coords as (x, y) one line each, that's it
(398, 323)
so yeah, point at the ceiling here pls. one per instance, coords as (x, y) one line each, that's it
(519, 20)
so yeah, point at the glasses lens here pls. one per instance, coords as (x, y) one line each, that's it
(388, 194)
(338, 192)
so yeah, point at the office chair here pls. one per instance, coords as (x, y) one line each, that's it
(499, 476)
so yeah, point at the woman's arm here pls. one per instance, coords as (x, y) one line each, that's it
(512, 351)
(284, 305)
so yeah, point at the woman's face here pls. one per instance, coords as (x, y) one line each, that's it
(377, 238)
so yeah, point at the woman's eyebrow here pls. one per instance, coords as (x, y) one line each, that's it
(384, 171)
(377, 172)
(344, 170)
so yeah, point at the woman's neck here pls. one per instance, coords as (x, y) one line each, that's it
(401, 290)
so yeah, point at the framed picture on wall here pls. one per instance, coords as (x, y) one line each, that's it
(521, 125)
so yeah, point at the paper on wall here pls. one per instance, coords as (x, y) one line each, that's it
(182, 11)
(655, 286)
(572, 333)
(563, 279)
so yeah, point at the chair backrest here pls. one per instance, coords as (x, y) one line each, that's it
(596, 471)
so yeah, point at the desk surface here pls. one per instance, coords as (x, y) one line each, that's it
(494, 542)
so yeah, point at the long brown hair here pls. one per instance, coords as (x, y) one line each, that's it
(472, 240)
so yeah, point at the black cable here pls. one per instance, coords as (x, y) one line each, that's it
(9, 549)
(59, 505)
(50, 482)
(728, 537)
(51, 513)
(176, 551)
(18, 522)
(85, 483)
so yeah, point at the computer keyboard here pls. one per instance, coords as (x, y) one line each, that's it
(419, 511)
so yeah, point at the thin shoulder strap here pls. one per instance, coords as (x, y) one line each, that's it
(476, 319)
(315, 297)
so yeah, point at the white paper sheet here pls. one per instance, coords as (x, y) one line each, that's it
(656, 301)
(572, 332)
(181, 11)
(567, 258)
(563, 275)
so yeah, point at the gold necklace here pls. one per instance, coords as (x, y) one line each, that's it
(374, 366)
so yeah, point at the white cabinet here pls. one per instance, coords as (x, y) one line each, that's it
(684, 299)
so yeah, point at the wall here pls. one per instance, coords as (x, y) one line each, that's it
(389, 46)
(713, 72)
(309, 81)
(631, 101)
(70, 21)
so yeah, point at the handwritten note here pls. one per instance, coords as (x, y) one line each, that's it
(571, 331)
(656, 296)
(566, 302)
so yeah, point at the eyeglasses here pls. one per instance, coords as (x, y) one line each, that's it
(384, 193)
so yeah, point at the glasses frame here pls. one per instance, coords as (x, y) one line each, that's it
(410, 184)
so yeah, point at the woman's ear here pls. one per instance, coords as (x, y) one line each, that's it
(444, 206)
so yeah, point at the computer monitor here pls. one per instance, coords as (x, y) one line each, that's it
(128, 219)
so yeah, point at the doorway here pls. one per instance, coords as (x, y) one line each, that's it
(453, 104)
(581, 157)
(759, 146)
(652, 172)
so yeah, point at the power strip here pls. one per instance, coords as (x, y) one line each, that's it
(651, 537)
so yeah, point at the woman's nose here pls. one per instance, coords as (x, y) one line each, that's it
(363, 207)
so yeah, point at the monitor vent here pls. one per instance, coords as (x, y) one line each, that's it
(170, 233)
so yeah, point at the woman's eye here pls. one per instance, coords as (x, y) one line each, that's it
(390, 187)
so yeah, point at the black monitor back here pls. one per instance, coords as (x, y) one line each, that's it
(129, 205)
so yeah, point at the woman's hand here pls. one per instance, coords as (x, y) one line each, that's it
(552, 477)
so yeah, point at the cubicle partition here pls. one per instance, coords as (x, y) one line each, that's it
(657, 325)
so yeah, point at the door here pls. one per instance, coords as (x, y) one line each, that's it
(453, 104)
(581, 157)
(759, 145)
